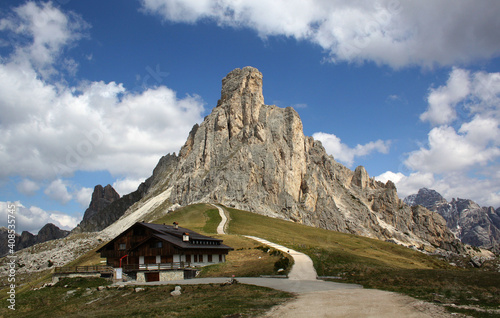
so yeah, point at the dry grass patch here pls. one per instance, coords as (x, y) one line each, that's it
(245, 261)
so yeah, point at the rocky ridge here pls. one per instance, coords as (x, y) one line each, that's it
(26, 239)
(471, 223)
(57, 252)
(105, 208)
(255, 157)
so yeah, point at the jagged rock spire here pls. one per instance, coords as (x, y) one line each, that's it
(241, 97)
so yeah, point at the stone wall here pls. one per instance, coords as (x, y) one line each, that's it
(57, 277)
(140, 277)
(164, 276)
(171, 275)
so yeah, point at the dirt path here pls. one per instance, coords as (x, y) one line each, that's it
(356, 303)
(302, 268)
(317, 298)
(222, 224)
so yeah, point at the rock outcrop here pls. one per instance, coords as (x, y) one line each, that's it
(472, 224)
(98, 215)
(47, 233)
(255, 157)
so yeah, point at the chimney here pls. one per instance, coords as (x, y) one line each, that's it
(176, 225)
(185, 237)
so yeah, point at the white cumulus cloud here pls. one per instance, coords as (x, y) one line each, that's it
(443, 100)
(391, 32)
(27, 187)
(33, 218)
(83, 196)
(57, 190)
(127, 185)
(465, 141)
(91, 126)
(407, 185)
(48, 31)
(461, 155)
(345, 154)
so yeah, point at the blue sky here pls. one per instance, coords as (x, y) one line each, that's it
(95, 92)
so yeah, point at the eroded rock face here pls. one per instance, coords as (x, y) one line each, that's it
(255, 157)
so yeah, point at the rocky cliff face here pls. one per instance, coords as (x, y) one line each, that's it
(255, 157)
(472, 224)
(47, 233)
(99, 215)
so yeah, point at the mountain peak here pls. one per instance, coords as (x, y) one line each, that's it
(241, 82)
(241, 98)
(474, 225)
(97, 215)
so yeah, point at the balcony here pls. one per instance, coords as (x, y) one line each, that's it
(155, 267)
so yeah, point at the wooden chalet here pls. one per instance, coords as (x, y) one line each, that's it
(151, 250)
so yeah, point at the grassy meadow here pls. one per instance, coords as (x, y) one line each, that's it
(81, 298)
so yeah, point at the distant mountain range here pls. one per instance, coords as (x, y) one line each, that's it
(48, 232)
(472, 224)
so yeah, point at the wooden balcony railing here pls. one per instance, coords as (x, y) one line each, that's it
(160, 266)
(84, 269)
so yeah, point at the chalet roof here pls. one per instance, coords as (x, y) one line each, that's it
(170, 234)
(163, 229)
(185, 245)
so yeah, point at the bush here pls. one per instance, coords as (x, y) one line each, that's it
(283, 263)
(264, 249)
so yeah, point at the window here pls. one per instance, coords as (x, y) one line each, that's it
(210, 258)
(122, 246)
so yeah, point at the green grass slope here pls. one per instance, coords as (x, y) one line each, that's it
(332, 252)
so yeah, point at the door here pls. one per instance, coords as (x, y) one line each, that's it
(152, 277)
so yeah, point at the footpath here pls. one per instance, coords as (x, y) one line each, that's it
(302, 269)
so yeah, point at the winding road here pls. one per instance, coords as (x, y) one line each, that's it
(302, 269)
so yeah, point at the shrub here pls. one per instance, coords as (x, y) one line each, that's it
(283, 263)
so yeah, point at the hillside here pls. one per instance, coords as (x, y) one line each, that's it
(343, 249)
